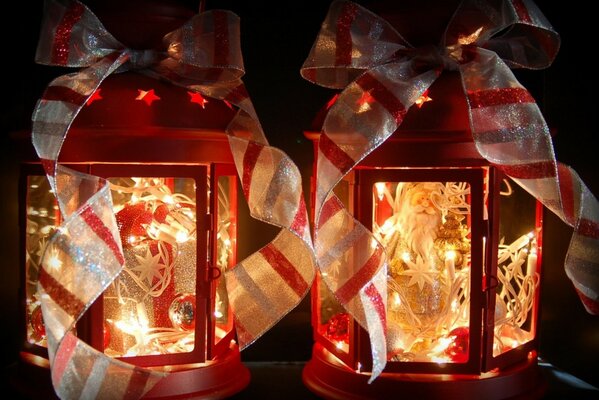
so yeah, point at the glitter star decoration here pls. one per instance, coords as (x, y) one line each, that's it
(419, 272)
(147, 95)
(150, 267)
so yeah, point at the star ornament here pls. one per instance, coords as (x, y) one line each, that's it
(419, 272)
(197, 98)
(148, 96)
(150, 267)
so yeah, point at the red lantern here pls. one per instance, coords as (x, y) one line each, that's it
(174, 189)
(463, 245)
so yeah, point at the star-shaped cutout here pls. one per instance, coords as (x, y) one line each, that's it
(420, 272)
(197, 98)
(365, 101)
(149, 267)
(95, 96)
(147, 95)
(423, 99)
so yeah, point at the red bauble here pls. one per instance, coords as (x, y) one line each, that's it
(182, 312)
(338, 327)
(37, 323)
(132, 221)
(458, 348)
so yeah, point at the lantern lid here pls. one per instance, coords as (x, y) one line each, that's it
(443, 117)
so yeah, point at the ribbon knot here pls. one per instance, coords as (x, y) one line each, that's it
(142, 59)
(433, 57)
(381, 76)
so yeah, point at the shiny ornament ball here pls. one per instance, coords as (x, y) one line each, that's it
(182, 312)
(338, 327)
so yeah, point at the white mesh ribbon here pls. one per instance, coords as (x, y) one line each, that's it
(203, 55)
(381, 76)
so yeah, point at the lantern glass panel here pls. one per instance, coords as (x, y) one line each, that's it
(41, 222)
(425, 229)
(225, 257)
(151, 307)
(517, 269)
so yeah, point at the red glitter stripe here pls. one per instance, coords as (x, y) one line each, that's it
(522, 11)
(59, 294)
(330, 208)
(335, 154)
(250, 157)
(588, 228)
(137, 384)
(49, 166)
(300, 220)
(100, 229)
(65, 94)
(221, 37)
(379, 306)
(538, 170)
(566, 192)
(243, 335)
(591, 305)
(62, 35)
(285, 269)
(383, 96)
(237, 95)
(343, 41)
(499, 97)
(63, 356)
(353, 285)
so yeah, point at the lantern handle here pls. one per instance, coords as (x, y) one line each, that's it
(213, 273)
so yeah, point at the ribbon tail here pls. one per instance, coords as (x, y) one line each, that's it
(351, 261)
(511, 133)
(85, 255)
(269, 283)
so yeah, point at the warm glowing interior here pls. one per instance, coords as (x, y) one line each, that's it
(151, 307)
(425, 228)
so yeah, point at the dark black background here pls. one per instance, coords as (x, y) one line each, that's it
(276, 39)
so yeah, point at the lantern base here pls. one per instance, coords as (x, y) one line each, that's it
(217, 379)
(329, 378)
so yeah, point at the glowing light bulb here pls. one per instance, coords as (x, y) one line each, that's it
(405, 256)
(181, 236)
(54, 262)
(168, 199)
(380, 190)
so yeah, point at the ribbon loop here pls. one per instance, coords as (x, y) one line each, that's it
(72, 36)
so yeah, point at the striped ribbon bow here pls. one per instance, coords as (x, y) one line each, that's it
(203, 55)
(361, 53)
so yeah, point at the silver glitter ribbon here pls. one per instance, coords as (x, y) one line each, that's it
(204, 56)
(382, 76)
